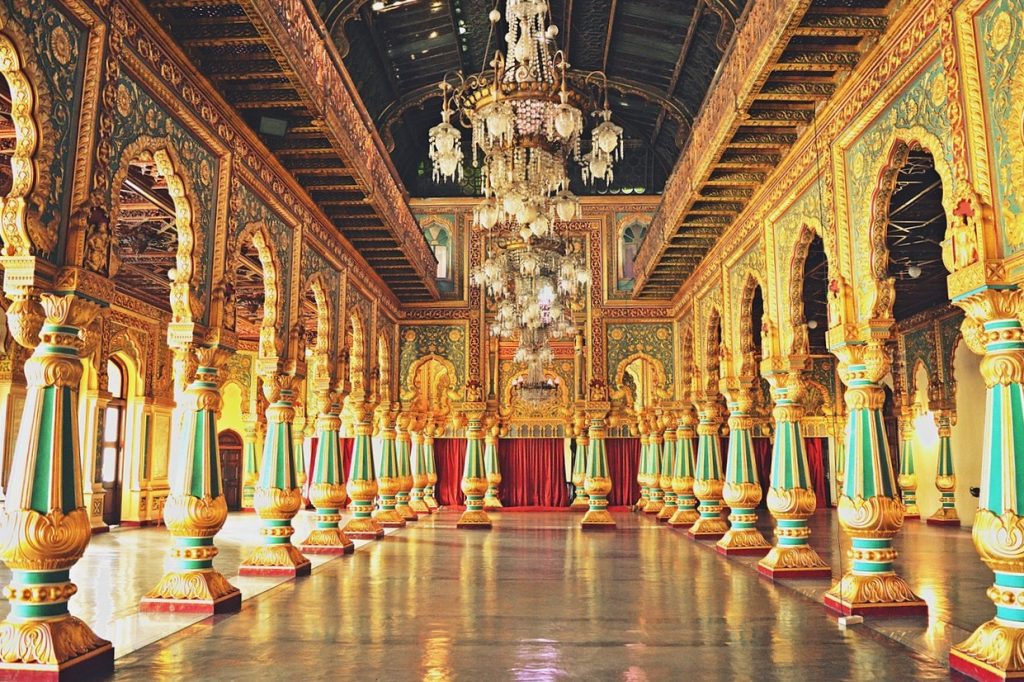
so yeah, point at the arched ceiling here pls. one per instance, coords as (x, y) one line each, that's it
(660, 57)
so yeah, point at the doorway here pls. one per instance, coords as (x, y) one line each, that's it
(112, 446)
(229, 444)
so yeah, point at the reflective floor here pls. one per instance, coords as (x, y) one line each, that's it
(534, 599)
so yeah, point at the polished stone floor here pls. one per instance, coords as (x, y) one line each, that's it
(536, 599)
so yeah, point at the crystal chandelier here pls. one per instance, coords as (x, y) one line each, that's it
(527, 124)
(535, 388)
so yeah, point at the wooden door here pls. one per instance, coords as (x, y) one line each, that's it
(112, 448)
(229, 444)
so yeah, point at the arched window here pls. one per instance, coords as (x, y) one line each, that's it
(112, 444)
(629, 243)
(439, 239)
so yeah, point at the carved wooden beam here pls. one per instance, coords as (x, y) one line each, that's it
(752, 54)
(300, 41)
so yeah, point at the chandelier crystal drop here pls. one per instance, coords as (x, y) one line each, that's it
(526, 125)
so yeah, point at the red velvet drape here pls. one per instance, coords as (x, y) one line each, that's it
(532, 472)
(449, 457)
(816, 462)
(623, 464)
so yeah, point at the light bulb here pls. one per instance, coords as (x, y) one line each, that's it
(914, 271)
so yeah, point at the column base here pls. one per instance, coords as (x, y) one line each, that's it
(743, 541)
(389, 518)
(580, 503)
(881, 596)
(474, 519)
(912, 512)
(327, 541)
(432, 504)
(708, 529)
(793, 562)
(666, 513)
(406, 512)
(275, 560)
(597, 519)
(653, 507)
(492, 504)
(683, 518)
(364, 529)
(944, 517)
(102, 528)
(992, 652)
(85, 655)
(419, 508)
(192, 592)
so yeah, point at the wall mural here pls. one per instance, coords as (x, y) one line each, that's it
(651, 339)
(444, 340)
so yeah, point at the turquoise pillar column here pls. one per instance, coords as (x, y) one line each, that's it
(656, 501)
(945, 475)
(403, 447)
(668, 463)
(250, 462)
(580, 501)
(791, 497)
(46, 527)
(389, 479)
(742, 489)
(195, 509)
(870, 509)
(277, 497)
(492, 500)
(683, 473)
(327, 488)
(362, 481)
(708, 482)
(598, 483)
(993, 328)
(418, 463)
(474, 475)
(429, 432)
(907, 478)
(643, 474)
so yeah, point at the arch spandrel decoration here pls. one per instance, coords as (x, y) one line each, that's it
(139, 118)
(385, 375)
(272, 341)
(40, 57)
(916, 117)
(356, 346)
(100, 250)
(686, 368)
(322, 348)
(706, 316)
(745, 277)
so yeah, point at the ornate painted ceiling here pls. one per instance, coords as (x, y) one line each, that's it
(660, 57)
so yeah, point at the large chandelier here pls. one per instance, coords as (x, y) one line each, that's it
(527, 124)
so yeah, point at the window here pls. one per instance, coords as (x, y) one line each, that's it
(629, 244)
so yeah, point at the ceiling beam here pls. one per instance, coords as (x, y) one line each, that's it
(608, 35)
(677, 71)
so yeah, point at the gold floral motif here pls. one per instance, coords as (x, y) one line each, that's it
(208, 585)
(742, 495)
(327, 537)
(875, 517)
(1000, 540)
(995, 645)
(884, 588)
(792, 558)
(275, 503)
(684, 517)
(708, 489)
(327, 495)
(743, 538)
(38, 542)
(791, 503)
(191, 516)
(275, 555)
(40, 594)
(361, 490)
(597, 485)
(48, 642)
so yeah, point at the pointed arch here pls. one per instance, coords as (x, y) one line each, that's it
(271, 343)
(874, 269)
(160, 152)
(21, 225)
(752, 282)
(357, 351)
(384, 365)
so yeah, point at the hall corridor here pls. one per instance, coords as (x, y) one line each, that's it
(534, 599)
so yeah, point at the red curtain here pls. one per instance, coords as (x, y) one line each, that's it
(763, 460)
(449, 457)
(623, 464)
(816, 462)
(532, 472)
(347, 445)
